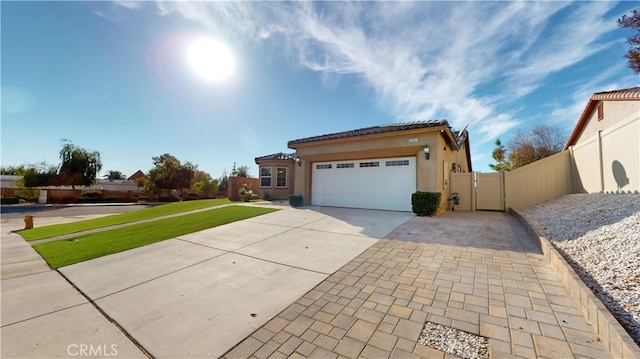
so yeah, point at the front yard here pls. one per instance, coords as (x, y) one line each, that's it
(69, 251)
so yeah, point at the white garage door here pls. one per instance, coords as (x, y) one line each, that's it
(384, 183)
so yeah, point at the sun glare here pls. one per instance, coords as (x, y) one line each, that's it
(211, 60)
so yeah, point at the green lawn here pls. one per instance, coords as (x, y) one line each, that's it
(147, 213)
(65, 252)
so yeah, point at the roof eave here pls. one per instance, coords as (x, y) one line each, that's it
(582, 121)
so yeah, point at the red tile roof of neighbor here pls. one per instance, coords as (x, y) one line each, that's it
(394, 127)
(630, 94)
(624, 94)
(136, 175)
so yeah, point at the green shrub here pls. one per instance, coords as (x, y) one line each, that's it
(425, 203)
(169, 199)
(295, 200)
(10, 200)
(95, 195)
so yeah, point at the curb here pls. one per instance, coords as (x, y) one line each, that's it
(611, 333)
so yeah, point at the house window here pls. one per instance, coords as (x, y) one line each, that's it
(323, 167)
(369, 164)
(601, 111)
(396, 163)
(265, 176)
(345, 165)
(281, 177)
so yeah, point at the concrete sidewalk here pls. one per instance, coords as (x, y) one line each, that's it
(43, 316)
(474, 271)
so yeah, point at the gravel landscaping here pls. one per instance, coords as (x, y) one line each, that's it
(457, 342)
(599, 236)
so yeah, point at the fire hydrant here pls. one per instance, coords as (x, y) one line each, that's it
(28, 221)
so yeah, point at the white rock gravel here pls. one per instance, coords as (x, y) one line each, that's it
(454, 341)
(599, 236)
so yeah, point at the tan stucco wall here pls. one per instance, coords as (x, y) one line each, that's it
(429, 173)
(607, 153)
(615, 112)
(273, 191)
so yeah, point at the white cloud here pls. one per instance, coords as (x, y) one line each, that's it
(423, 60)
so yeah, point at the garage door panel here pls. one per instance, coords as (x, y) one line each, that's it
(382, 187)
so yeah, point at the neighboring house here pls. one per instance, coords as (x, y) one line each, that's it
(376, 167)
(606, 143)
(135, 176)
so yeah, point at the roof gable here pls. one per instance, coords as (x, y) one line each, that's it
(629, 94)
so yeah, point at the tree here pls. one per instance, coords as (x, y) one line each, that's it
(13, 170)
(223, 182)
(40, 175)
(114, 175)
(632, 21)
(540, 142)
(79, 167)
(242, 171)
(499, 154)
(169, 174)
(205, 184)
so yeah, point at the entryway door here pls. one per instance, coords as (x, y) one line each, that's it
(379, 183)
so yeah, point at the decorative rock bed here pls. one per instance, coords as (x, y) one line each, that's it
(454, 341)
(599, 236)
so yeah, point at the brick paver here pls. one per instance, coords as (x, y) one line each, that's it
(474, 271)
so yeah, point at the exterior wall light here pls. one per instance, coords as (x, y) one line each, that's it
(298, 161)
(425, 149)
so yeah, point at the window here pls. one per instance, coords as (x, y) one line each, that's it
(265, 176)
(281, 177)
(345, 165)
(323, 167)
(369, 164)
(396, 163)
(601, 111)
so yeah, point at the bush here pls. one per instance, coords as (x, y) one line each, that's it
(425, 203)
(10, 200)
(192, 197)
(91, 195)
(266, 196)
(245, 192)
(295, 200)
(169, 199)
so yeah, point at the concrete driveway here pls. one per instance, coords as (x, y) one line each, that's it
(200, 294)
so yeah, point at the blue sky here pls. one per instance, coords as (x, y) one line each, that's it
(116, 77)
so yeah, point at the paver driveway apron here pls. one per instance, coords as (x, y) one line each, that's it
(474, 271)
(200, 294)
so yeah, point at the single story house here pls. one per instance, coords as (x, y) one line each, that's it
(605, 143)
(376, 167)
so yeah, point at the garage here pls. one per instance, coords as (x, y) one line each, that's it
(380, 183)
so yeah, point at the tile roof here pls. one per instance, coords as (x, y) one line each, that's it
(393, 127)
(624, 94)
(276, 156)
